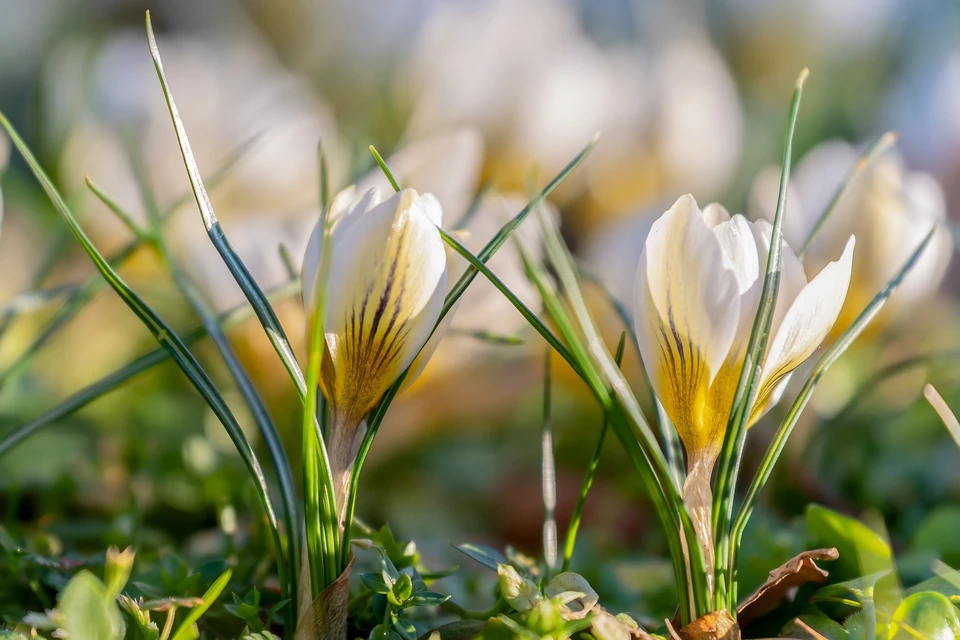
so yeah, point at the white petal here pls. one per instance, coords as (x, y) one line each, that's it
(343, 211)
(792, 276)
(715, 213)
(762, 205)
(686, 305)
(739, 249)
(456, 265)
(808, 321)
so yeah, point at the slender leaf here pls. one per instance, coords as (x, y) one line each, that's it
(731, 453)
(321, 512)
(249, 286)
(258, 410)
(384, 168)
(548, 476)
(571, 539)
(185, 630)
(947, 416)
(614, 394)
(670, 439)
(84, 292)
(125, 373)
(887, 372)
(512, 225)
(163, 334)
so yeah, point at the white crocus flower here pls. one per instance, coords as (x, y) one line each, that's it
(695, 298)
(887, 207)
(386, 286)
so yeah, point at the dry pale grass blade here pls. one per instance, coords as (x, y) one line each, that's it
(943, 410)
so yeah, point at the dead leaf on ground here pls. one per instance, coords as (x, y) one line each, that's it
(796, 572)
(326, 617)
(718, 625)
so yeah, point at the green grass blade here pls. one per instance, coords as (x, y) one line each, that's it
(35, 299)
(570, 541)
(139, 233)
(615, 395)
(384, 168)
(265, 313)
(790, 420)
(887, 372)
(125, 373)
(320, 505)
(669, 438)
(47, 265)
(731, 453)
(474, 207)
(512, 225)
(548, 476)
(165, 336)
(480, 266)
(258, 410)
(872, 152)
(374, 420)
(66, 312)
(85, 291)
(947, 416)
(185, 631)
(487, 336)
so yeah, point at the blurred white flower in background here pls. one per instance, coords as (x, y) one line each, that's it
(925, 109)
(539, 87)
(890, 210)
(613, 252)
(228, 91)
(832, 27)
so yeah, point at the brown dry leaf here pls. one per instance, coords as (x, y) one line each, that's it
(718, 625)
(326, 617)
(799, 571)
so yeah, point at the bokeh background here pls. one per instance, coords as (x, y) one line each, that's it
(495, 94)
